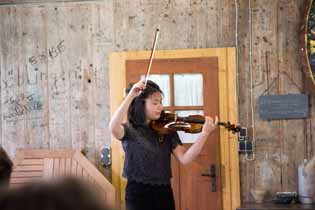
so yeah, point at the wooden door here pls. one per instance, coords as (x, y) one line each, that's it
(196, 186)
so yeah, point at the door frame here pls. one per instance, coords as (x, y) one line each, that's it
(229, 158)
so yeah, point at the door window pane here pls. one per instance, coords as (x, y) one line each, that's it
(188, 89)
(188, 137)
(162, 80)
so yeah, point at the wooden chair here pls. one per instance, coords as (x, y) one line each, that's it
(30, 165)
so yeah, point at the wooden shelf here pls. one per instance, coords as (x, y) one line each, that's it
(271, 206)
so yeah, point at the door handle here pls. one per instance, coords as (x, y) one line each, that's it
(212, 175)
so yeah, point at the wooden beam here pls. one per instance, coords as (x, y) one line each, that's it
(21, 2)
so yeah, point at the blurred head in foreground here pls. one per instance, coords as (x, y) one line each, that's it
(5, 169)
(64, 194)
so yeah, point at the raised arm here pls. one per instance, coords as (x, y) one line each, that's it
(115, 124)
(195, 149)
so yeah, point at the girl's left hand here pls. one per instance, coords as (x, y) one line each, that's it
(209, 125)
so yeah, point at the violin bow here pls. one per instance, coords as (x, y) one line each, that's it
(157, 32)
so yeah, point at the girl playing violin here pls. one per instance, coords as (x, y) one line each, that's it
(147, 165)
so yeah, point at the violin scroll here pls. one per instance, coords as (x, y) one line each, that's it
(230, 127)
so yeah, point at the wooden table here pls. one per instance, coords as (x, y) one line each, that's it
(271, 206)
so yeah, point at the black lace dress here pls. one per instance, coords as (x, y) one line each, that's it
(147, 167)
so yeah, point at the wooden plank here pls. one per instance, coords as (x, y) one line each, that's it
(103, 34)
(23, 180)
(68, 166)
(18, 158)
(294, 147)
(23, 2)
(265, 70)
(58, 80)
(224, 149)
(17, 174)
(79, 170)
(247, 177)
(268, 148)
(56, 168)
(62, 166)
(116, 73)
(91, 180)
(32, 83)
(73, 166)
(99, 190)
(13, 113)
(228, 112)
(225, 21)
(233, 140)
(45, 153)
(88, 94)
(29, 168)
(263, 73)
(77, 103)
(48, 167)
(85, 174)
(98, 177)
(32, 161)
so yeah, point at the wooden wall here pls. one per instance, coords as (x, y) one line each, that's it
(54, 83)
(276, 69)
(54, 71)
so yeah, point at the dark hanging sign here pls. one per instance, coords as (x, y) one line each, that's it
(277, 107)
(307, 42)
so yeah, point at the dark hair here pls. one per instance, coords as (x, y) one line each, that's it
(64, 194)
(136, 114)
(5, 168)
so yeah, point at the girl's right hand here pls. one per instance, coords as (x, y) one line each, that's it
(137, 88)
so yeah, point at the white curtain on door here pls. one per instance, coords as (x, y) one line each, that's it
(188, 92)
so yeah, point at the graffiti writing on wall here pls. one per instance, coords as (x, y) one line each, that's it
(21, 105)
(18, 77)
(53, 53)
(28, 75)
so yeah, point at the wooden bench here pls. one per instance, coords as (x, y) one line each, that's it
(31, 165)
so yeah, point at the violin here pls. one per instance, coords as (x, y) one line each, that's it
(170, 122)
